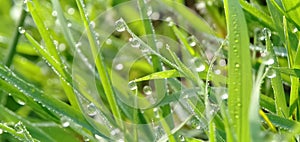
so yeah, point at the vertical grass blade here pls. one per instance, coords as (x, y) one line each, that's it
(240, 75)
(98, 59)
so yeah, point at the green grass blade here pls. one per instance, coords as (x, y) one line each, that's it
(13, 132)
(239, 77)
(57, 107)
(98, 59)
(276, 82)
(33, 7)
(262, 16)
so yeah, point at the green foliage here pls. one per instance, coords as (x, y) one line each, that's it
(149, 70)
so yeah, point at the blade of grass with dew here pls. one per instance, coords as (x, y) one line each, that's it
(262, 16)
(239, 77)
(13, 132)
(29, 102)
(282, 123)
(100, 65)
(57, 107)
(276, 82)
(183, 40)
(36, 131)
(294, 97)
(52, 49)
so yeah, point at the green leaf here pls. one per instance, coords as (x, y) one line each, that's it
(239, 71)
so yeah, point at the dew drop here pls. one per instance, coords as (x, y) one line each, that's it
(92, 24)
(69, 25)
(271, 73)
(170, 21)
(132, 85)
(86, 139)
(181, 138)
(1, 131)
(149, 11)
(237, 65)
(147, 90)
(65, 122)
(71, 11)
(199, 66)
(224, 96)
(19, 127)
(120, 25)
(135, 43)
(108, 41)
(91, 110)
(21, 30)
(295, 30)
(192, 41)
(19, 101)
(266, 32)
(267, 58)
(54, 13)
(119, 67)
(115, 132)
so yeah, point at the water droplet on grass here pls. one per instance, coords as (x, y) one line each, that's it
(69, 25)
(149, 11)
(120, 25)
(224, 96)
(21, 30)
(92, 24)
(147, 90)
(119, 67)
(199, 66)
(91, 110)
(271, 73)
(192, 41)
(1, 131)
(135, 42)
(65, 122)
(132, 85)
(181, 138)
(19, 127)
(54, 13)
(71, 11)
(267, 58)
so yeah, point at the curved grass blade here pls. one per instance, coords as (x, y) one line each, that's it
(19, 136)
(52, 50)
(279, 95)
(239, 77)
(57, 107)
(263, 17)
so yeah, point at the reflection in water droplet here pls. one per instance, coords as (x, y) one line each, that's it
(54, 13)
(149, 11)
(199, 66)
(181, 138)
(65, 122)
(271, 73)
(170, 21)
(147, 90)
(120, 25)
(267, 58)
(21, 30)
(71, 11)
(132, 85)
(19, 127)
(119, 66)
(224, 96)
(134, 42)
(192, 41)
(91, 110)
